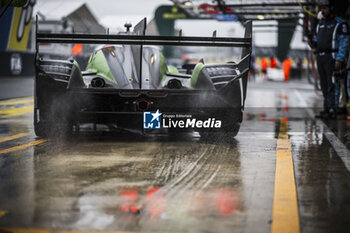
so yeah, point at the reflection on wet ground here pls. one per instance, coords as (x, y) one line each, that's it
(135, 183)
(323, 182)
(179, 183)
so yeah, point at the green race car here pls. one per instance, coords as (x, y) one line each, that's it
(128, 84)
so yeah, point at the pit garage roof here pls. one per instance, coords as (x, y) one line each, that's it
(245, 9)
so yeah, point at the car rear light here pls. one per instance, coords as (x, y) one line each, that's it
(129, 93)
(157, 94)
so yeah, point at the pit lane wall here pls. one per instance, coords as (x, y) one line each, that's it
(16, 54)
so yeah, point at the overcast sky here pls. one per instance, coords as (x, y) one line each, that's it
(102, 8)
(114, 13)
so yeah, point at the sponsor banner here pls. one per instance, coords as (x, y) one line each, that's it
(225, 17)
(21, 24)
(216, 13)
(174, 13)
(16, 63)
(15, 27)
(157, 120)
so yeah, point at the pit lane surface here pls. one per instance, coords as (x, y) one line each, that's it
(125, 181)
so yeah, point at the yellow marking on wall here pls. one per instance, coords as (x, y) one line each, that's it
(24, 146)
(34, 230)
(20, 135)
(2, 213)
(285, 214)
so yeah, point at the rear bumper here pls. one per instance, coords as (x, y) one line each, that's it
(167, 101)
(182, 110)
(92, 106)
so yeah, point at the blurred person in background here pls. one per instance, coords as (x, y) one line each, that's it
(273, 62)
(331, 44)
(286, 66)
(264, 66)
(299, 66)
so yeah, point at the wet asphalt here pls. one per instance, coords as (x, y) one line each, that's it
(126, 181)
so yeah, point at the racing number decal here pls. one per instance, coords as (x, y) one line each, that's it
(21, 24)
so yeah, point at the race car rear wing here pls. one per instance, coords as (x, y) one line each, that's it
(142, 39)
(139, 38)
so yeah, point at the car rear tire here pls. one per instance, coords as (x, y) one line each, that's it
(40, 130)
(54, 123)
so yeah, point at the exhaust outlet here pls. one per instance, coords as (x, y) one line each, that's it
(174, 84)
(98, 82)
